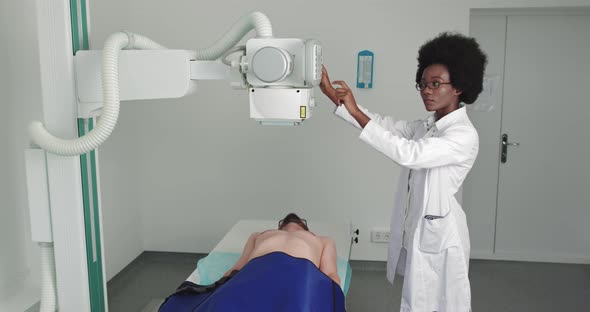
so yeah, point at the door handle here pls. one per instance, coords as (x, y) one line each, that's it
(505, 145)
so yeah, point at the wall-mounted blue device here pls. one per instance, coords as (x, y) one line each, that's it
(364, 70)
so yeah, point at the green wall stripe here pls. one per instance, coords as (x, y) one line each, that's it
(99, 282)
(84, 26)
(74, 21)
(89, 177)
(91, 223)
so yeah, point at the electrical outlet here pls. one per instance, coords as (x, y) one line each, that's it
(379, 236)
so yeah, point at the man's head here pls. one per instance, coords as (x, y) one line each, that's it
(291, 221)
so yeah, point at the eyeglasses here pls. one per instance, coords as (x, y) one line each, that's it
(433, 85)
(281, 222)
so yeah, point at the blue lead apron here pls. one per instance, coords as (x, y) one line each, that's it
(274, 282)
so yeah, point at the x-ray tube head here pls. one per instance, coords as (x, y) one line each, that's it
(282, 62)
(281, 73)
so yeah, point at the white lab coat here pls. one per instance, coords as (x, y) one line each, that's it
(435, 262)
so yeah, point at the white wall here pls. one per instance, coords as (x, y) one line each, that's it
(19, 103)
(119, 176)
(210, 164)
(203, 164)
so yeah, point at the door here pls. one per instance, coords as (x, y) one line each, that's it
(543, 187)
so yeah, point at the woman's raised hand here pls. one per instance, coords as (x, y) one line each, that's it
(344, 96)
(327, 87)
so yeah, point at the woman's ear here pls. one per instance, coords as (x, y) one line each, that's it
(457, 91)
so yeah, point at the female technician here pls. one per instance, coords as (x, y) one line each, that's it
(429, 241)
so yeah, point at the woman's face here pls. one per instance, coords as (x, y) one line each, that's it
(443, 99)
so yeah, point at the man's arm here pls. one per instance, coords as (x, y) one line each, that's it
(328, 260)
(245, 254)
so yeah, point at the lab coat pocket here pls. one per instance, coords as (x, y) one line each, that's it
(435, 233)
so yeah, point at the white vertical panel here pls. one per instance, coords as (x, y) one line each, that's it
(38, 195)
(60, 113)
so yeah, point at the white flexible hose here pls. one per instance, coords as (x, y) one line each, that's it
(254, 20)
(110, 92)
(110, 83)
(48, 294)
(232, 51)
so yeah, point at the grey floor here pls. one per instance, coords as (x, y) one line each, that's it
(496, 285)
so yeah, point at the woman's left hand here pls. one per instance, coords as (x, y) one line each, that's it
(344, 96)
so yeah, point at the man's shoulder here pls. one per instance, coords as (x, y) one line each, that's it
(255, 235)
(326, 239)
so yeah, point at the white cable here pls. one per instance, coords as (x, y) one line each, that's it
(254, 20)
(48, 293)
(110, 83)
(231, 51)
(110, 110)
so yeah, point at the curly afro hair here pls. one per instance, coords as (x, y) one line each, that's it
(463, 58)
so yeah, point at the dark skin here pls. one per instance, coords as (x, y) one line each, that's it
(442, 100)
(342, 96)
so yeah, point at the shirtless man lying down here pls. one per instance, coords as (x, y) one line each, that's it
(289, 270)
(293, 238)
